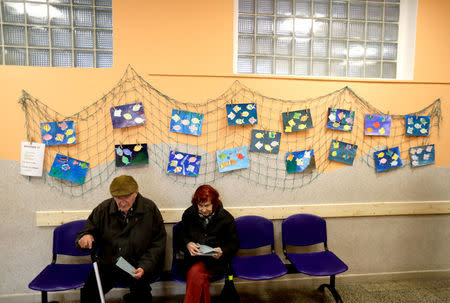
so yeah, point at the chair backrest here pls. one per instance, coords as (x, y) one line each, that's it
(254, 231)
(303, 230)
(175, 231)
(64, 237)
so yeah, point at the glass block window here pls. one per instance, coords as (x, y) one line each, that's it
(62, 33)
(319, 38)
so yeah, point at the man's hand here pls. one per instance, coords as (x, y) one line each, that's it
(219, 253)
(193, 248)
(86, 241)
(139, 273)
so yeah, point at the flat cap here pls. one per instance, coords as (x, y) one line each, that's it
(123, 186)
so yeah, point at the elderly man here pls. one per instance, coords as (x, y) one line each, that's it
(129, 226)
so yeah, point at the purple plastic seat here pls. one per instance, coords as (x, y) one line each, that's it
(59, 277)
(305, 230)
(254, 232)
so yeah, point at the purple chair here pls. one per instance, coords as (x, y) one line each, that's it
(254, 232)
(59, 277)
(305, 230)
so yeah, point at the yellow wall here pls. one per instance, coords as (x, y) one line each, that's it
(164, 38)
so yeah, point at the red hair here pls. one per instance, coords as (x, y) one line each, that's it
(205, 192)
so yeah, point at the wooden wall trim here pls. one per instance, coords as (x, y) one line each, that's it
(172, 215)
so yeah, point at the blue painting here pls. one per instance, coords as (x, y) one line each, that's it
(68, 168)
(300, 161)
(58, 133)
(185, 122)
(183, 164)
(422, 155)
(265, 141)
(232, 158)
(131, 154)
(297, 121)
(417, 125)
(127, 115)
(340, 119)
(377, 125)
(387, 159)
(342, 152)
(242, 114)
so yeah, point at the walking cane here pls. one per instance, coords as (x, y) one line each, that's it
(97, 274)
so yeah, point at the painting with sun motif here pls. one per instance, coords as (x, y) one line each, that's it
(68, 168)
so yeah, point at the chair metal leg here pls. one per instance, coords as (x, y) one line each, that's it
(332, 289)
(44, 298)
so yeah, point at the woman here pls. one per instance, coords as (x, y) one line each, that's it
(206, 222)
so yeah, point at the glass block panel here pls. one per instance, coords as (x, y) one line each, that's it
(245, 45)
(1, 39)
(37, 36)
(264, 25)
(247, 6)
(84, 59)
(390, 51)
(245, 65)
(374, 12)
(104, 39)
(373, 69)
(104, 59)
(14, 35)
(284, 7)
(357, 10)
(321, 9)
(302, 67)
(355, 69)
(84, 38)
(338, 49)
(339, 29)
(60, 15)
(59, 1)
(392, 12)
(36, 13)
(83, 16)
(303, 47)
(246, 24)
(396, 1)
(85, 2)
(389, 70)
(390, 32)
(62, 58)
(283, 66)
(356, 30)
(264, 65)
(264, 45)
(356, 50)
(373, 50)
(265, 7)
(303, 8)
(374, 31)
(320, 28)
(338, 68)
(61, 37)
(320, 48)
(320, 68)
(103, 17)
(103, 3)
(38, 57)
(13, 12)
(15, 56)
(283, 46)
(339, 9)
(285, 26)
(1, 56)
(303, 27)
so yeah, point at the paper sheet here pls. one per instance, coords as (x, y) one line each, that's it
(32, 159)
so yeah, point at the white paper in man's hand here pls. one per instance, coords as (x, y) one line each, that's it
(125, 266)
(206, 250)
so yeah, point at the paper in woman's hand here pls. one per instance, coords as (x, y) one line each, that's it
(206, 250)
(124, 265)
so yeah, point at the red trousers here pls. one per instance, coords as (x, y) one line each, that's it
(197, 284)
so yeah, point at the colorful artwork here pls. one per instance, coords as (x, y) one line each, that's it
(265, 141)
(340, 119)
(127, 115)
(300, 161)
(131, 154)
(58, 133)
(232, 159)
(185, 122)
(422, 155)
(377, 125)
(387, 159)
(242, 114)
(183, 164)
(417, 125)
(342, 152)
(297, 121)
(68, 168)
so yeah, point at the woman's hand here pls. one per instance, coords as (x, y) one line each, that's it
(193, 248)
(219, 253)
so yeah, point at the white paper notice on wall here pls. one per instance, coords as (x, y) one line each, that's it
(32, 159)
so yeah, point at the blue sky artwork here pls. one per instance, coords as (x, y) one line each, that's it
(68, 168)
(232, 158)
(377, 125)
(387, 159)
(265, 141)
(422, 155)
(342, 152)
(58, 133)
(297, 121)
(185, 122)
(127, 115)
(417, 125)
(183, 164)
(299, 161)
(131, 154)
(242, 114)
(340, 119)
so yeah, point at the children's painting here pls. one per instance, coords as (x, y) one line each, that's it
(422, 155)
(342, 152)
(377, 125)
(58, 133)
(127, 115)
(387, 159)
(68, 168)
(417, 125)
(131, 154)
(185, 122)
(242, 114)
(265, 141)
(300, 161)
(297, 121)
(184, 164)
(232, 158)
(340, 119)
